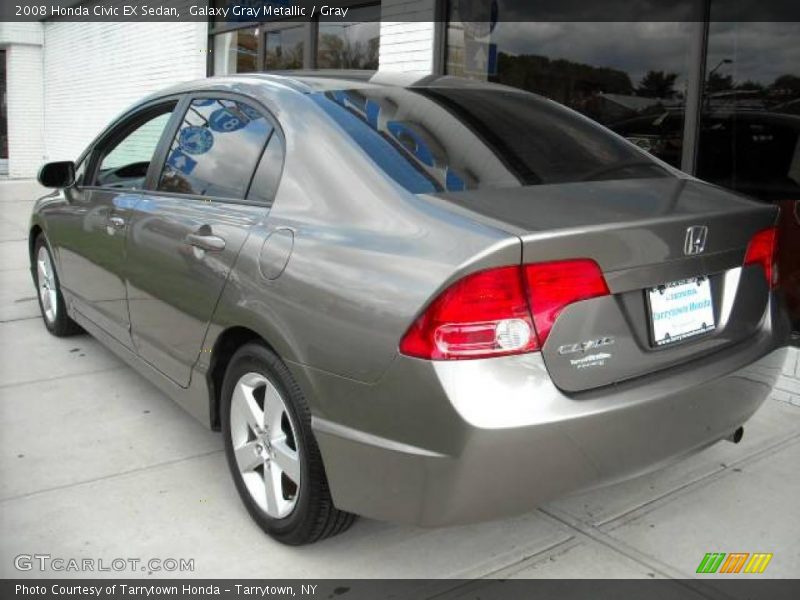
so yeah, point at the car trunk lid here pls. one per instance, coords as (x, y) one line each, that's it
(644, 234)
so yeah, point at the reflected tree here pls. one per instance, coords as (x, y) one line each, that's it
(657, 84)
(718, 83)
(338, 52)
(569, 82)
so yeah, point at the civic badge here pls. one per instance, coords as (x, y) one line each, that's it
(695, 241)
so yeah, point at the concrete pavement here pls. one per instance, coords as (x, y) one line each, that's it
(95, 462)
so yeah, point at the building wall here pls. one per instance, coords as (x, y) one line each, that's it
(94, 71)
(67, 80)
(407, 46)
(25, 96)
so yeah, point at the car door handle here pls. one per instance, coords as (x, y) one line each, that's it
(117, 222)
(214, 243)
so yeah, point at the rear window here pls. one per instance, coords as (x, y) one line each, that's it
(433, 140)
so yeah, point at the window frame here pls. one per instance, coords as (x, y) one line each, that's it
(160, 157)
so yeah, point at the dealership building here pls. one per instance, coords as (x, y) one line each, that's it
(716, 98)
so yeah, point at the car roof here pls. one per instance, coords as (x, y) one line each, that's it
(323, 80)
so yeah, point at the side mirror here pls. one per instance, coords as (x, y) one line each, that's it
(57, 174)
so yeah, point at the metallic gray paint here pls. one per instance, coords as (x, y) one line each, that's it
(334, 271)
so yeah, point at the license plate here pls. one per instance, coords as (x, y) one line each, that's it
(680, 310)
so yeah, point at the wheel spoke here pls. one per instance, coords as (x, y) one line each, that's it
(273, 408)
(42, 272)
(46, 300)
(245, 402)
(247, 457)
(286, 460)
(272, 489)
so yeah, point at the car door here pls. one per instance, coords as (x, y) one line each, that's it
(92, 232)
(190, 224)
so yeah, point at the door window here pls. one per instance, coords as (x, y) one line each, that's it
(268, 173)
(126, 155)
(215, 150)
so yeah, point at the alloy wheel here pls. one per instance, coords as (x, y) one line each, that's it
(265, 445)
(48, 292)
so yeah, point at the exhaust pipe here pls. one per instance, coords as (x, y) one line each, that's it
(736, 436)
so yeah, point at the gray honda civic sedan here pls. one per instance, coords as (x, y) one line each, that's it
(432, 302)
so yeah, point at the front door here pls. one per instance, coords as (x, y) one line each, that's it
(92, 233)
(188, 228)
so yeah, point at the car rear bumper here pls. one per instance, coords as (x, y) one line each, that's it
(437, 443)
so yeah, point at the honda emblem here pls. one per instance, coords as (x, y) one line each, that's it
(695, 240)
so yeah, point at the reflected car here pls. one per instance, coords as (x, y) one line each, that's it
(429, 303)
(752, 151)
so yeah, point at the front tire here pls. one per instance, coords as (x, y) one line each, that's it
(271, 451)
(51, 300)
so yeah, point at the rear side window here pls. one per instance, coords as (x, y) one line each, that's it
(216, 149)
(447, 139)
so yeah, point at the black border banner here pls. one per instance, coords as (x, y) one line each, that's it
(491, 11)
(750, 587)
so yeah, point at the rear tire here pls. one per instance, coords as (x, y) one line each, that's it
(48, 288)
(271, 451)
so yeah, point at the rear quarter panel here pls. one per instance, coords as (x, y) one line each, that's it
(366, 256)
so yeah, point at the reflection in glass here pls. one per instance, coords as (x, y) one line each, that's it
(284, 49)
(750, 128)
(351, 44)
(454, 139)
(631, 77)
(750, 122)
(236, 52)
(215, 150)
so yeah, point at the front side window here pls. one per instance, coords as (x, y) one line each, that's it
(215, 149)
(126, 155)
(80, 173)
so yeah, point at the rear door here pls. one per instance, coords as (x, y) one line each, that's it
(190, 224)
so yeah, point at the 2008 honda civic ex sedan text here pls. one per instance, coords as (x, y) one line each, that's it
(430, 303)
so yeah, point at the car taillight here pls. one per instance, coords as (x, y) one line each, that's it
(484, 314)
(493, 312)
(555, 285)
(762, 251)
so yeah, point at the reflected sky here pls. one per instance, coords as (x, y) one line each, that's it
(760, 51)
(631, 47)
